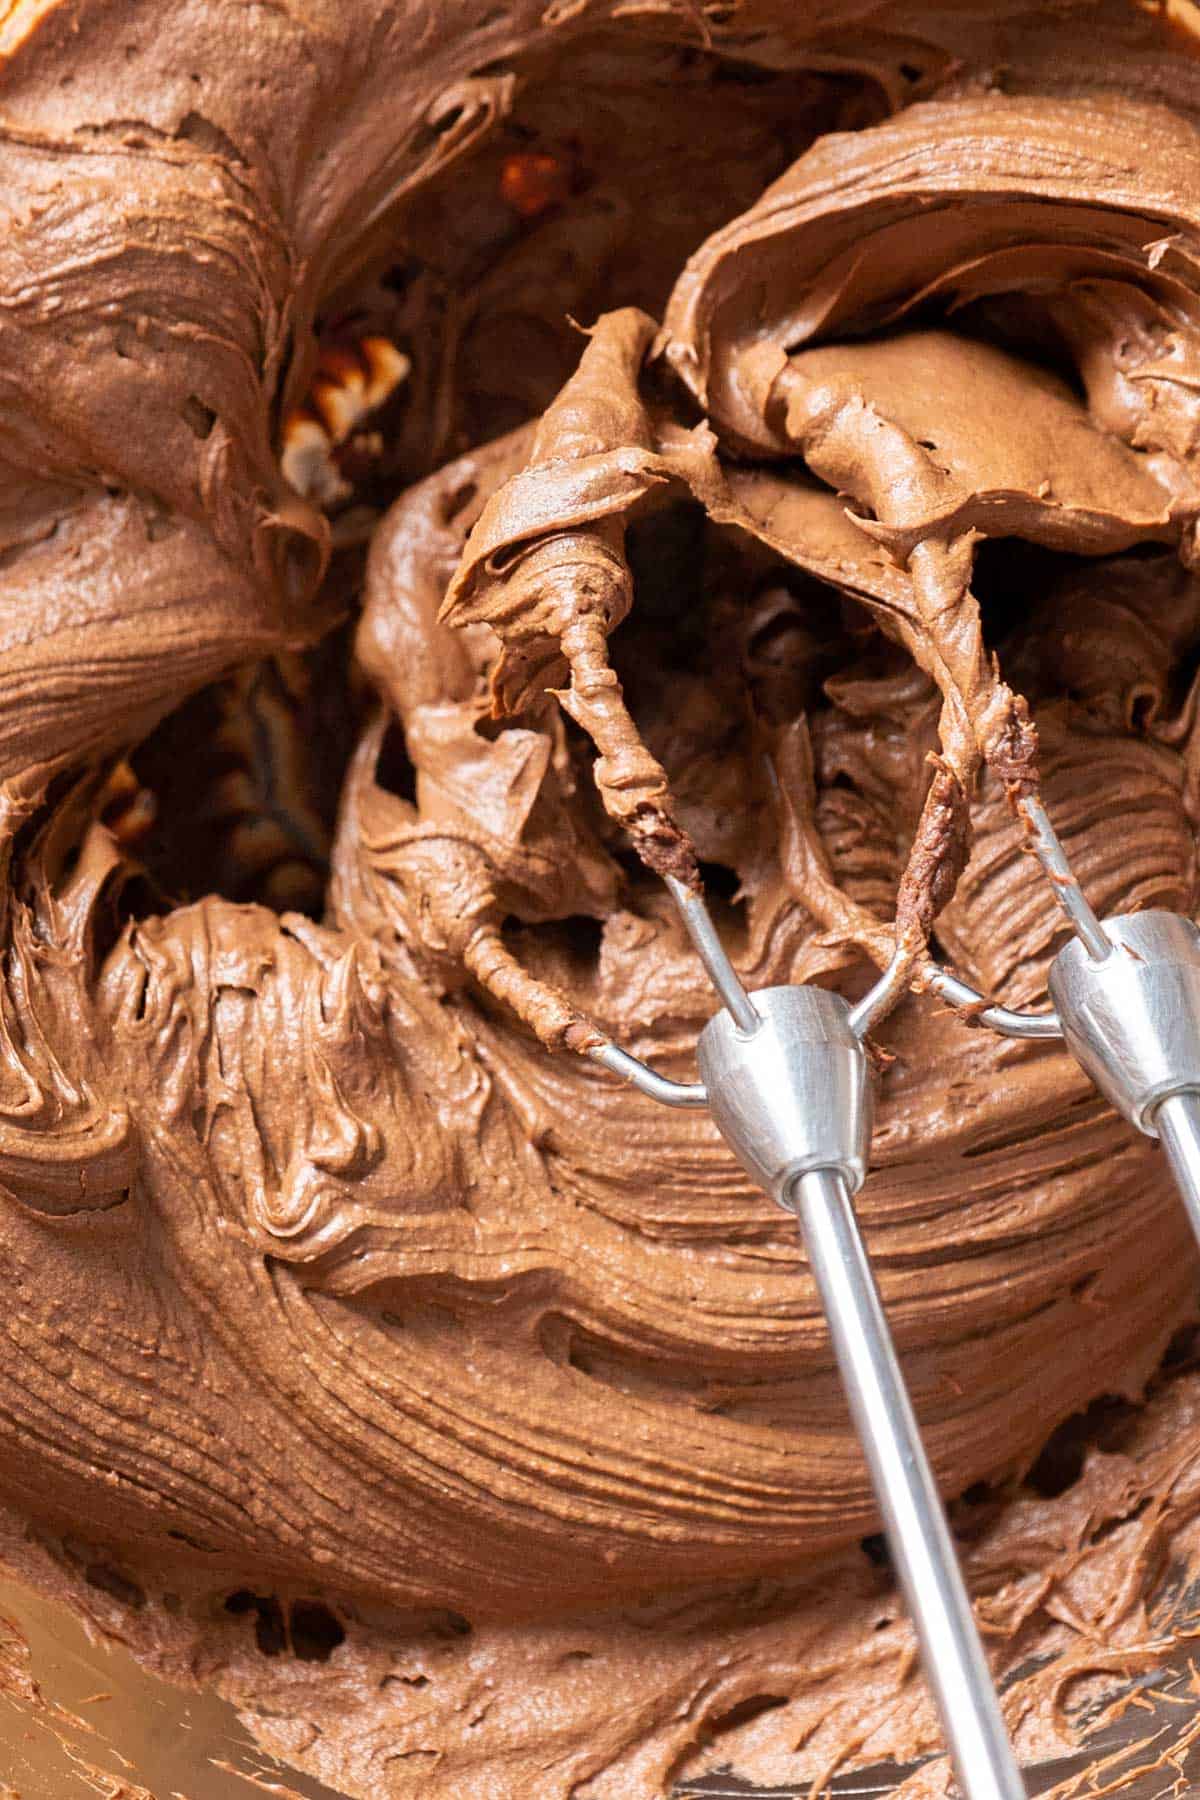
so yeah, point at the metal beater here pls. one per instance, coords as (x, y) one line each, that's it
(1126, 996)
(787, 1081)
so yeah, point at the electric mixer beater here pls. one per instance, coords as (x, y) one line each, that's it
(1126, 993)
(785, 1076)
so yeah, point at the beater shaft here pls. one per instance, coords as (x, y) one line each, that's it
(793, 1100)
(1178, 1122)
(917, 1533)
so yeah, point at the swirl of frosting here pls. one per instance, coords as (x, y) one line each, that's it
(329, 1266)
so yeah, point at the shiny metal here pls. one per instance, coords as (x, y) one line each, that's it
(1001, 1019)
(1046, 846)
(786, 1079)
(1133, 1021)
(659, 1087)
(922, 1548)
(698, 924)
(883, 996)
(1177, 1120)
(960, 994)
(793, 1100)
(794, 1096)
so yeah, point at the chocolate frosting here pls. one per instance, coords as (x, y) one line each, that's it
(333, 1269)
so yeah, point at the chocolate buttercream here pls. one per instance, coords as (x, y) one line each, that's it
(864, 505)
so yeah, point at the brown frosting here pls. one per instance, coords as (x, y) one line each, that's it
(332, 1271)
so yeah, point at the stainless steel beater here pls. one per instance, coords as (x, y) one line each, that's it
(1126, 993)
(785, 1077)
